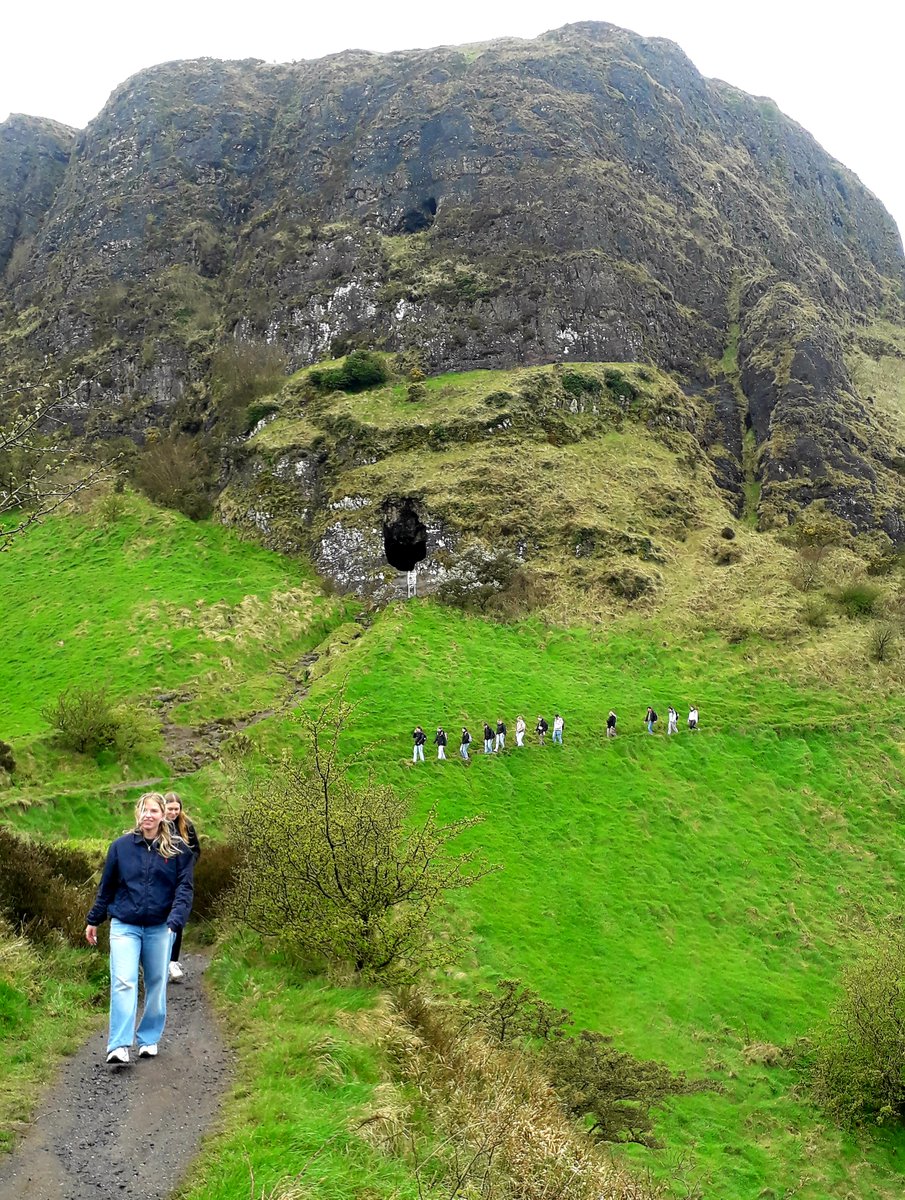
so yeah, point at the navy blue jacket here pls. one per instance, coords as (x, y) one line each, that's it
(142, 888)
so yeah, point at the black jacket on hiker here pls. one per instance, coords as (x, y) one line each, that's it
(440, 738)
(420, 737)
(611, 721)
(541, 726)
(466, 737)
(140, 887)
(501, 726)
(191, 837)
(488, 733)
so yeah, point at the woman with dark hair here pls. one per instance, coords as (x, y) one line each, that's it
(146, 890)
(184, 828)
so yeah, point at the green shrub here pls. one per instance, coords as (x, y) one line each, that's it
(619, 386)
(856, 1068)
(882, 644)
(362, 369)
(415, 392)
(84, 719)
(338, 871)
(858, 598)
(815, 612)
(258, 411)
(44, 888)
(576, 383)
(611, 1089)
(215, 876)
(176, 472)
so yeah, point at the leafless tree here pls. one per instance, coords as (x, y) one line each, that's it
(39, 468)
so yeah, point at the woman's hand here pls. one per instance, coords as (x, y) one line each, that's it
(91, 935)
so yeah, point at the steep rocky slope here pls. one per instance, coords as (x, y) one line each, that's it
(586, 196)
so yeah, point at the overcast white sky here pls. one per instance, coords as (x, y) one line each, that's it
(834, 67)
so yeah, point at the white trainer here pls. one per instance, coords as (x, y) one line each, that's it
(176, 972)
(148, 1051)
(119, 1056)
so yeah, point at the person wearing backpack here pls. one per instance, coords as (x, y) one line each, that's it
(558, 724)
(440, 743)
(693, 718)
(488, 739)
(672, 721)
(651, 719)
(520, 730)
(611, 724)
(541, 730)
(500, 743)
(463, 745)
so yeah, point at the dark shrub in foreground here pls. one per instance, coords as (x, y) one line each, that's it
(45, 888)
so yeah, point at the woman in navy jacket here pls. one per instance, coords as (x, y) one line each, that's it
(146, 890)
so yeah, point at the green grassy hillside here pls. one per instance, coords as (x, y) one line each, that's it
(692, 896)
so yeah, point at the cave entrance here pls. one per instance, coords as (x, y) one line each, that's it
(404, 535)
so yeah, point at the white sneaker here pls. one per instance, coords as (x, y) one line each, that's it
(176, 972)
(120, 1056)
(148, 1051)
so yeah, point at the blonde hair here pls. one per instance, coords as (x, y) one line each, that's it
(181, 821)
(168, 845)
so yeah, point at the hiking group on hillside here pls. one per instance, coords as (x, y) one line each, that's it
(495, 737)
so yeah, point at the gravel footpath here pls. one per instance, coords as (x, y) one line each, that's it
(127, 1132)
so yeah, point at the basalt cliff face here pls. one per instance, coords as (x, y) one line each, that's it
(584, 197)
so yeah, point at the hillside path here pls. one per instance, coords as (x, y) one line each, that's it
(126, 1132)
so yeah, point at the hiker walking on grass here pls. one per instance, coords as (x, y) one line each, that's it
(651, 719)
(520, 730)
(541, 730)
(420, 739)
(146, 890)
(464, 744)
(611, 725)
(488, 739)
(693, 718)
(183, 828)
(672, 720)
(558, 723)
(440, 743)
(500, 735)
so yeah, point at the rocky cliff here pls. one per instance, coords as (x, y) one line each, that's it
(587, 196)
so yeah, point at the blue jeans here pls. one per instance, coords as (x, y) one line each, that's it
(557, 736)
(500, 741)
(488, 745)
(130, 945)
(650, 727)
(418, 754)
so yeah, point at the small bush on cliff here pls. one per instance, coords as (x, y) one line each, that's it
(856, 1068)
(857, 598)
(338, 871)
(7, 758)
(619, 386)
(242, 372)
(576, 383)
(362, 369)
(176, 472)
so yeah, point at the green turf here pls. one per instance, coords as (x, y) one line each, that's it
(691, 895)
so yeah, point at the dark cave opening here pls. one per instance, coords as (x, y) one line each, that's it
(748, 424)
(418, 219)
(404, 536)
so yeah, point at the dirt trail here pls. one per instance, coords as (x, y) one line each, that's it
(127, 1132)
